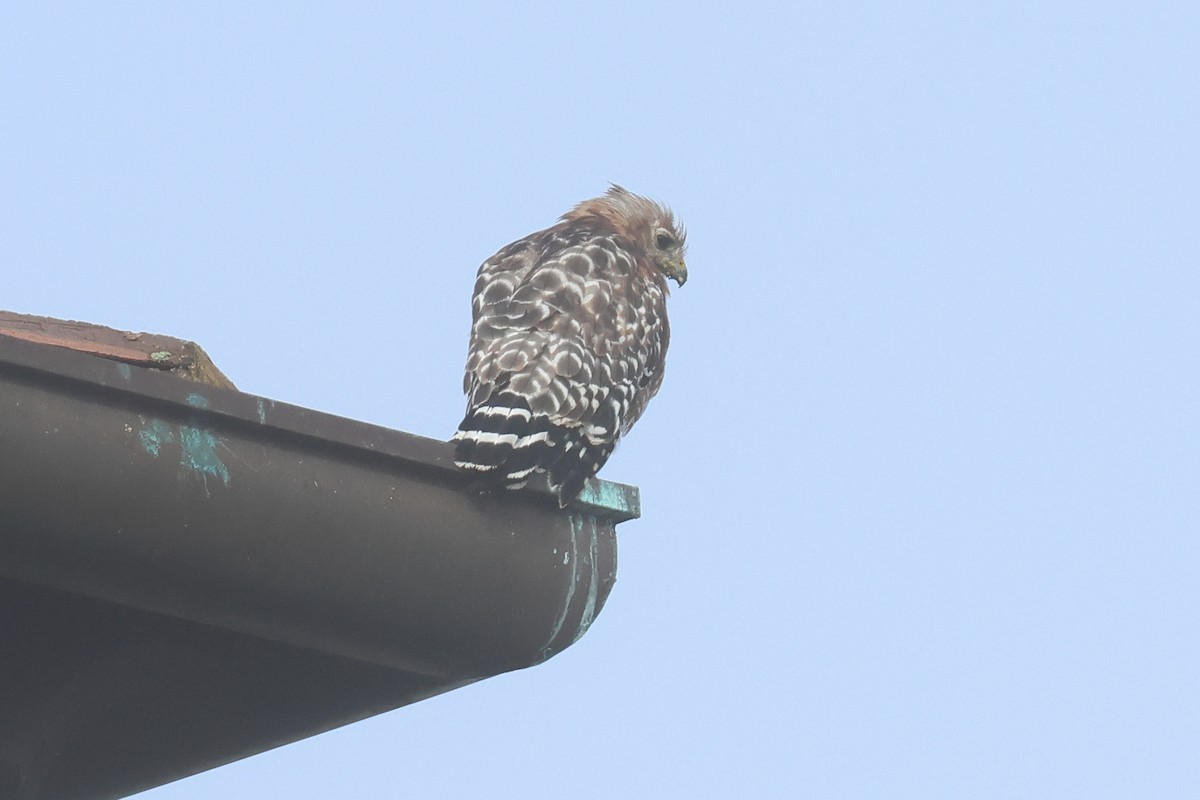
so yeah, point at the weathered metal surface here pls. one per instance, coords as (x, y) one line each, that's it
(291, 552)
(101, 700)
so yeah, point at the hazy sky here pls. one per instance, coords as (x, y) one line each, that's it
(922, 488)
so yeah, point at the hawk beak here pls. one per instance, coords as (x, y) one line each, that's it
(678, 272)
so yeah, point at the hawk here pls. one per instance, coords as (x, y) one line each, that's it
(568, 341)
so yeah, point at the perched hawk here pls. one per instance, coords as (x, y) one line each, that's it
(568, 342)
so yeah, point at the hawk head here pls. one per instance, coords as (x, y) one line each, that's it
(649, 225)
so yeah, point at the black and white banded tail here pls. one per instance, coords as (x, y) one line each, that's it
(505, 443)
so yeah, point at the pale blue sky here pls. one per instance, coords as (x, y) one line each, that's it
(922, 515)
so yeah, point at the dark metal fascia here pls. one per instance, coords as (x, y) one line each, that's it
(272, 520)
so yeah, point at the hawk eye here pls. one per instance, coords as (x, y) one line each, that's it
(664, 241)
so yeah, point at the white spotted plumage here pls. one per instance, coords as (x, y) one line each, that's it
(568, 339)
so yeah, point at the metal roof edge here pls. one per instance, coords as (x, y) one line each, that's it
(617, 502)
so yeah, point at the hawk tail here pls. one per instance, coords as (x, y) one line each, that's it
(502, 438)
(504, 441)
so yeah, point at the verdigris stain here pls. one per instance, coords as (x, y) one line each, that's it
(582, 568)
(593, 590)
(611, 497)
(200, 446)
(155, 435)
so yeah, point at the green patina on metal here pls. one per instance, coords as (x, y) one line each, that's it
(581, 558)
(200, 446)
(154, 435)
(571, 558)
(589, 609)
(616, 500)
